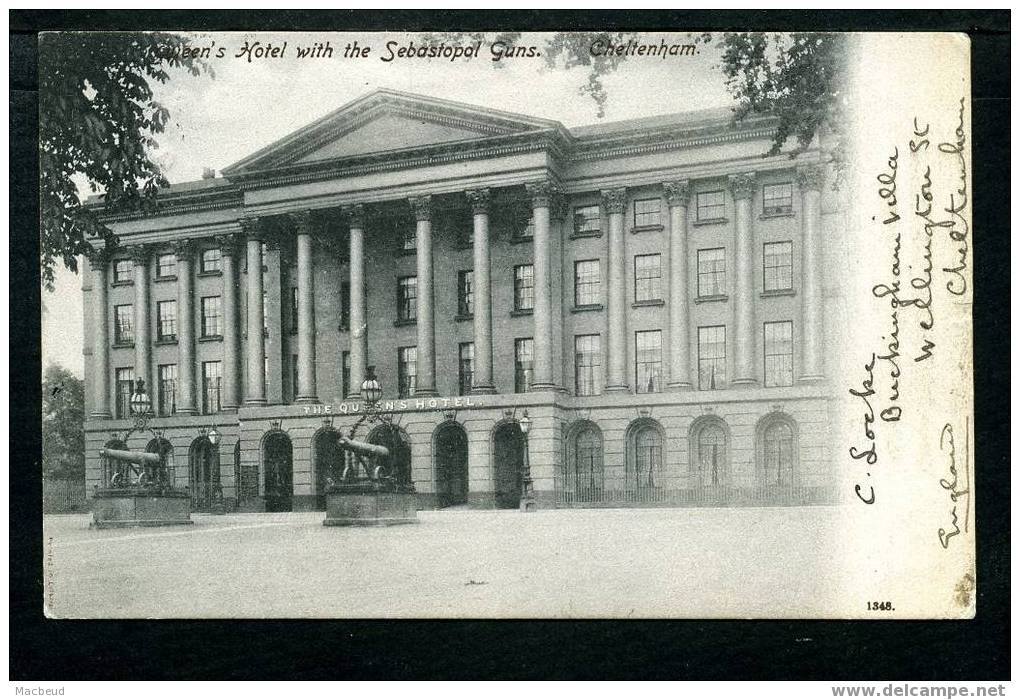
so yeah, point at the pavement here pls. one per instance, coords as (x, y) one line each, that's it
(685, 562)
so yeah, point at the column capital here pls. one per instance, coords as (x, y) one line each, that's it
(742, 185)
(541, 192)
(228, 243)
(811, 177)
(100, 257)
(422, 207)
(184, 249)
(678, 192)
(479, 200)
(558, 207)
(140, 254)
(251, 228)
(303, 221)
(355, 215)
(615, 200)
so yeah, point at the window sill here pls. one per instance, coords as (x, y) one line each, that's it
(126, 283)
(464, 317)
(165, 279)
(584, 234)
(776, 215)
(586, 307)
(123, 346)
(522, 312)
(211, 273)
(406, 322)
(167, 341)
(712, 297)
(521, 239)
(648, 302)
(711, 222)
(645, 229)
(210, 338)
(778, 293)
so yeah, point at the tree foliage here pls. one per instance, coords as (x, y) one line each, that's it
(97, 122)
(63, 417)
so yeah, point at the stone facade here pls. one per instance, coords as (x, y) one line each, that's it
(324, 224)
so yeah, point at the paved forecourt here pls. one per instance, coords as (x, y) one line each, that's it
(556, 563)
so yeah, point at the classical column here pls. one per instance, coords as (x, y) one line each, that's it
(614, 202)
(744, 328)
(426, 327)
(482, 383)
(143, 344)
(231, 332)
(540, 193)
(255, 392)
(811, 178)
(100, 263)
(678, 297)
(306, 309)
(355, 215)
(185, 329)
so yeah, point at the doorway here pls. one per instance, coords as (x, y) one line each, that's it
(204, 467)
(451, 465)
(508, 455)
(277, 457)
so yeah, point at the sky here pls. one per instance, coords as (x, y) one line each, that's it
(217, 120)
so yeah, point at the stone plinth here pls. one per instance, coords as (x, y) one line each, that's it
(367, 506)
(138, 508)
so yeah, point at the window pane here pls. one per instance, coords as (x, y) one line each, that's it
(711, 357)
(524, 288)
(466, 366)
(779, 353)
(211, 260)
(166, 265)
(647, 457)
(166, 319)
(211, 317)
(123, 324)
(524, 364)
(465, 293)
(407, 298)
(711, 457)
(587, 365)
(647, 277)
(777, 469)
(167, 390)
(211, 377)
(587, 283)
(124, 378)
(646, 212)
(777, 199)
(778, 266)
(648, 361)
(587, 220)
(122, 270)
(711, 272)
(711, 205)
(407, 371)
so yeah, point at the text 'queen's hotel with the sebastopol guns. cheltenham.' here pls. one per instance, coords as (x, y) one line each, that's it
(651, 293)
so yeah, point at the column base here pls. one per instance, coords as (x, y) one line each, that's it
(353, 397)
(744, 382)
(307, 399)
(100, 415)
(483, 389)
(543, 386)
(186, 411)
(256, 402)
(811, 379)
(617, 389)
(680, 386)
(426, 393)
(229, 409)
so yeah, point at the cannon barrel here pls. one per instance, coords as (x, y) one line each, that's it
(133, 457)
(365, 448)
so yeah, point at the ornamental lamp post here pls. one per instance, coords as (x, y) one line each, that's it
(140, 402)
(214, 437)
(371, 391)
(528, 494)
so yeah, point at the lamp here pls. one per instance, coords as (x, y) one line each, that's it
(525, 422)
(140, 403)
(371, 391)
(214, 437)
(528, 495)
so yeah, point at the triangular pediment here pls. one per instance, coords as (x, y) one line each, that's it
(387, 121)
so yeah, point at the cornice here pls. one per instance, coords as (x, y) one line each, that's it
(171, 203)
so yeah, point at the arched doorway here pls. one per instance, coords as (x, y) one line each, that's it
(277, 459)
(451, 450)
(204, 468)
(586, 476)
(165, 450)
(393, 438)
(328, 462)
(508, 465)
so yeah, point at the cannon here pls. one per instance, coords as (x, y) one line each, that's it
(364, 448)
(146, 500)
(149, 468)
(374, 459)
(371, 490)
(140, 458)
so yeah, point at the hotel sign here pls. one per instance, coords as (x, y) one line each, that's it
(417, 404)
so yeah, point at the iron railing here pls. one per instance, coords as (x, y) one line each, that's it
(588, 496)
(64, 496)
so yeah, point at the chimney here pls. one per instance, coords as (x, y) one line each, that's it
(208, 173)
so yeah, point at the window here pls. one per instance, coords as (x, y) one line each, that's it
(210, 261)
(345, 306)
(294, 301)
(587, 365)
(123, 324)
(777, 199)
(647, 456)
(345, 373)
(166, 266)
(779, 353)
(587, 283)
(648, 277)
(524, 287)
(166, 320)
(122, 271)
(528, 232)
(646, 212)
(293, 377)
(466, 367)
(212, 325)
(648, 361)
(777, 454)
(465, 293)
(167, 390)
(212, 374)
(711, 357)
(124, 378)
(711, 205)
(524, 364)
(778, 266)
(588, 471)
(407, 299)
(409, 241)
(712, 272)
(407, 371)
(710, 456)
(587, 221)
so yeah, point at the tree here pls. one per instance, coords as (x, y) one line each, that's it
(97, 121)
(63, 429)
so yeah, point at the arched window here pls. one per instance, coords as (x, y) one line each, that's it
(588, 476)
(710, 451)
(647, 456)
(777, 454)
